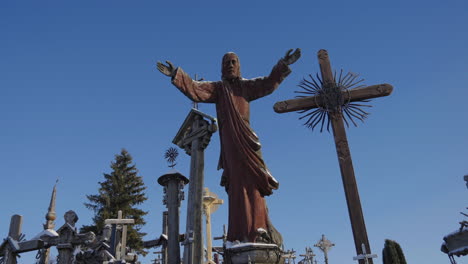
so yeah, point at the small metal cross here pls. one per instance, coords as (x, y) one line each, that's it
(364, 255)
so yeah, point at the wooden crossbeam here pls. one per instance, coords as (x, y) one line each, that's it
(352, 95)
(341, 142)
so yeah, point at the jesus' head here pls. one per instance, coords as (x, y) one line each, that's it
(230, 68)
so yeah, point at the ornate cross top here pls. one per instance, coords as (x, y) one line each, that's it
(324, 245)
(332, 96)
(364, 255)
(335, 102)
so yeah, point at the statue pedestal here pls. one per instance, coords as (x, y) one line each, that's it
(253, 253)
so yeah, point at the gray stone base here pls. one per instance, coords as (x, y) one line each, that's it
(253, 253)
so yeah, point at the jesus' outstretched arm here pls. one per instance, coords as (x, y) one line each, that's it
(263, 86)
(196, 91)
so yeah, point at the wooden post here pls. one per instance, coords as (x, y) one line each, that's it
(165, 228)
(69, 238)
(13, 238)
(194, 136)
(163, 240)
(173, 185)
(341, 141)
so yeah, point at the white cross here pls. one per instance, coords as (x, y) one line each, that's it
(364, 255)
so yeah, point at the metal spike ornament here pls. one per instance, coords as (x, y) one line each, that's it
(333, 101)
(171, 155)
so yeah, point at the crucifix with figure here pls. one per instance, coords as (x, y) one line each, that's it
(331, 99)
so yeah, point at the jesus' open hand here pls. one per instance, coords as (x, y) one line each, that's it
(292, 58)
(168, 70)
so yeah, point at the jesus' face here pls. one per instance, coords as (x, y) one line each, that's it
(231, 66)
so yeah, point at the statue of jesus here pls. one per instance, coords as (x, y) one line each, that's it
(245, 176)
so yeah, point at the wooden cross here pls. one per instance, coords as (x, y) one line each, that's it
(118, 245)
(364, 256)
(341, 141)
(10, 245)
(14, 243)
(68, 238)
(308, 256)
(290, 256)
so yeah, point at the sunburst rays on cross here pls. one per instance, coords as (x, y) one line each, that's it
(333, 100)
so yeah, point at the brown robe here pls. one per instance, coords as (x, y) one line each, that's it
(245, 176)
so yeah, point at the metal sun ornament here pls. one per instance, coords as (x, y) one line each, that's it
(333, 100)
(171, 155)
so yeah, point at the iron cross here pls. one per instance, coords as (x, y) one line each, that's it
(335, 115)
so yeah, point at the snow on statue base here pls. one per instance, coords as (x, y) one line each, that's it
(249, 253)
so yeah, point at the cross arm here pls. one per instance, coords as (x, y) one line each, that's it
(25, 246)
(30, 245)
(316, 101)
(119, 221)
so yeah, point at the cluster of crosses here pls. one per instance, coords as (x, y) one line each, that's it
(193, 137)
(110, 248)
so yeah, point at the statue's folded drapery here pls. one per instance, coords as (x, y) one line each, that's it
(246, 178)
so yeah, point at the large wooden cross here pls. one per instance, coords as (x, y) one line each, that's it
(341, 141)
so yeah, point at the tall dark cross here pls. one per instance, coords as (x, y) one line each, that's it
(334, 101)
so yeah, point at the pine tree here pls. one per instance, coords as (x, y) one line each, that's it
(392, 253)
(122, 190)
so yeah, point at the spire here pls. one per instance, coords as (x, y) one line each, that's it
(51, 216)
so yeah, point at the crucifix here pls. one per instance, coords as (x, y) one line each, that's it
(211, 203)
(331, 99)
(324, 245)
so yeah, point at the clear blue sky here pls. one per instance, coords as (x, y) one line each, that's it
(78, 82)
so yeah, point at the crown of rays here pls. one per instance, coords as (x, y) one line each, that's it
(333, 101)
(171, 155)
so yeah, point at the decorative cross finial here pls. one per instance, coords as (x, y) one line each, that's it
(364, 255)
(332, 99)
(324, 244)
(171, 155)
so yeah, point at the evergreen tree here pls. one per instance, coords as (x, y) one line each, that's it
(122, 190)
(392, 253)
